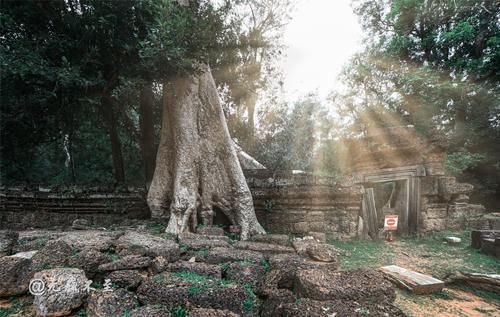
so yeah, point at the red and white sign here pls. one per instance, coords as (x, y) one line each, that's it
(391, 223)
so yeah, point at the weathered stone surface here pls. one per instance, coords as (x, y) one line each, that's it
(170, 290)
(197, 244)
(321, 252)
(80, 224)
(150, 311)
(194, 236)
(199, 268)
(127, 279)
(15, 275)
(245, 273)
(318, 236)
(158, 265)
(34, 240)
(128, 262)
(357, 285)
(7, 241)
(281, 239)
(266, 248)
(310, 308)
(90, 239)
(65, 290)
(110, 303)
(300, 245)
(55, 253)
(275, 299)
(208, 312)
(147, 245)
(221, 255)
(210, 231)
(88, 260)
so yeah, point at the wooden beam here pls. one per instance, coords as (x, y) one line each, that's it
(415, 282)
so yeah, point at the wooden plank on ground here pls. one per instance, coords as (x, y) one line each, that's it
(415, 282)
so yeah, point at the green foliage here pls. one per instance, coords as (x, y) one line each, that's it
(249, 302)
(72, 72)
(458, 162)
(155, 228)
(179, 311)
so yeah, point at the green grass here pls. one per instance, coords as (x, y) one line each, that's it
(179, 311)
(155, 228)
(363, 253)
(17, 305)
(443, 258)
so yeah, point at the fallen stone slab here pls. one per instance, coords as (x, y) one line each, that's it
(90, 239)
(208, 312)
(64, 289)
(195, 236)
(55, 253)
(15, 275)
(281, 239)
(128, 262)
(210, 231)
(265, 248)
(198, 244)
(88, 260)
(415, 282)
(110, 303)
(127, 279)
(453, 240)
(478, 235)
(187, 289)
(204, 269)
(357, 285)
(245, 273)
(222, 255)
(147, 245)
(150, 311)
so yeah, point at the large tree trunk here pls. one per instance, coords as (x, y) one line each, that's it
(197, 167)
(116, 146)
(147, 133)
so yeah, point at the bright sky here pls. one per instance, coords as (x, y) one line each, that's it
(321, 37)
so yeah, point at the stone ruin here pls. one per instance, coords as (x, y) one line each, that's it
(140, 271)
(403, 173)
(393, 171)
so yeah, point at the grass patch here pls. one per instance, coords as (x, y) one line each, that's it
(179, 311)
(363, 253)
(155, 228)
(441, 258)
(17, 305)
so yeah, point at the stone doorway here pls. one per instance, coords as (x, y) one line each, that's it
(391, 191)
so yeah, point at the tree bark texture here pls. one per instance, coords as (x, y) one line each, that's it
(116, 146)
(197, 167)
(147, 133)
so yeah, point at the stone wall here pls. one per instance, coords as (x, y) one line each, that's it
(21, 208)
(445, 205)
(299, 203)
(284, 202)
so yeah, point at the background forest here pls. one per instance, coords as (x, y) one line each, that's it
(82, 85)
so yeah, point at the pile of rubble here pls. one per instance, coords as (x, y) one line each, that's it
(137, 273)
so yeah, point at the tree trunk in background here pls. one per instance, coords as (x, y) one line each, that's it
(116, 146)
(197, 167)
(147, 133)
(250, 103)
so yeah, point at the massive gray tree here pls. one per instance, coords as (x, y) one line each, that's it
(197, 167)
